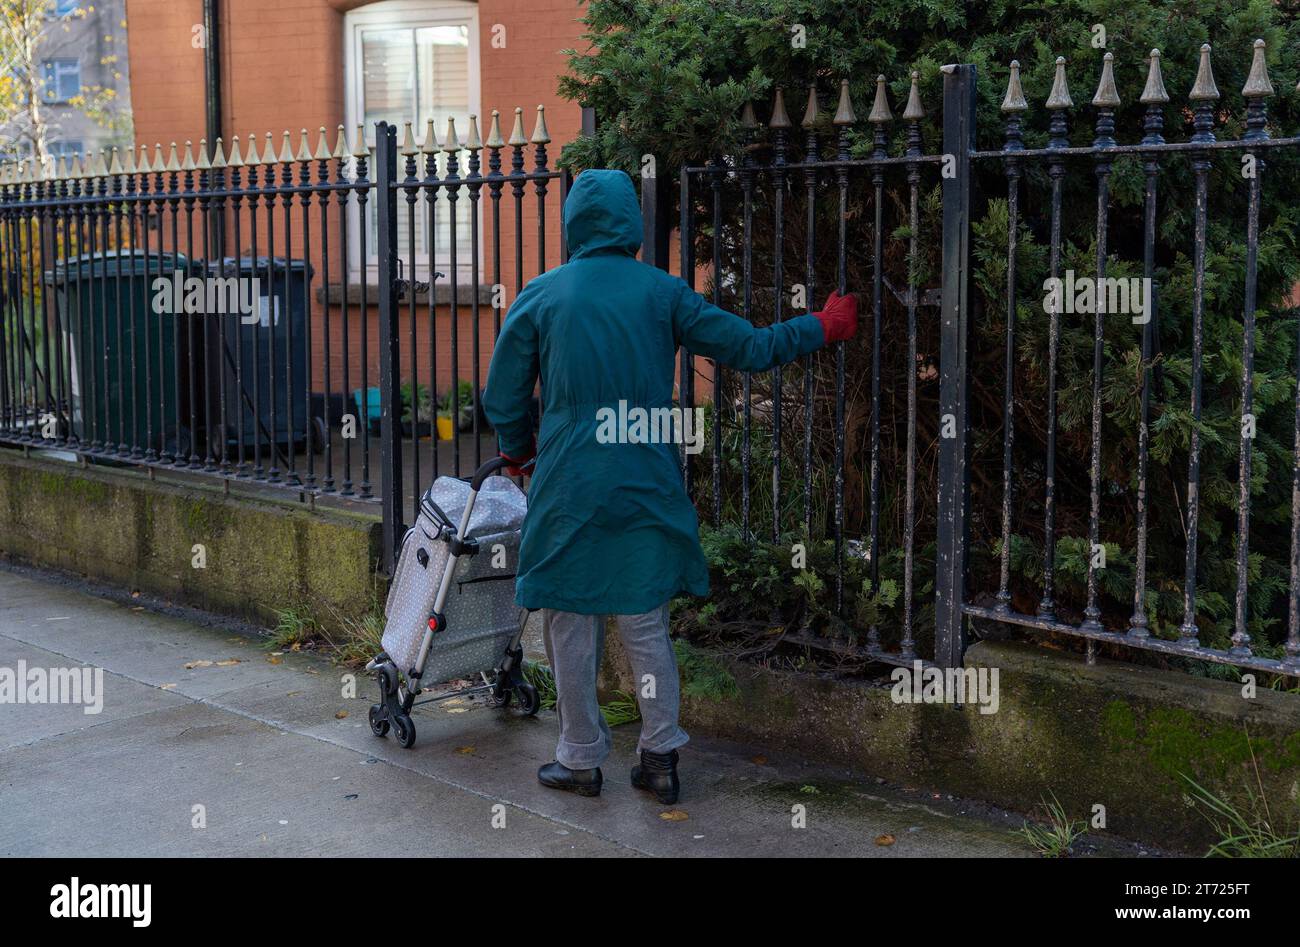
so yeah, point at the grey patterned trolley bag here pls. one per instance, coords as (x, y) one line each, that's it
(451, 610)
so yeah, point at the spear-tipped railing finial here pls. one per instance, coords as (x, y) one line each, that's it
(880, 111)
(1106, 100)
(1204, 94)
(914, 111)
(811, 111)
(286, 147)
(1107, 96)
(1059, 97)
(1154, 93)
(494, 139)
(1258, 84)
(844, 114)
(431, 145)
(1204, 90)
(1257, 90)
(1154, 98)
(879, 117)
(517, 137)
(1059, 102)
(540, 135)
(1014, 101)
(780, 117)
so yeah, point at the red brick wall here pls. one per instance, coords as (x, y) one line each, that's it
(282, 63)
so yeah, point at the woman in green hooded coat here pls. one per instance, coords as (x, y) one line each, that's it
(610, 530)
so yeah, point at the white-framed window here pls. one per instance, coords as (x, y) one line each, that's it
(412, 60)
(67, 148)
(62, 79)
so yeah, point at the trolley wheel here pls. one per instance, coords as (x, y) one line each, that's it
(501, 699)
(387, 682)
(378, 722)
(529, 700)
(320, 434)
(404, 730)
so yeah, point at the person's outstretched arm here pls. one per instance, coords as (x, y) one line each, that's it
(705, 329)
(508, 398)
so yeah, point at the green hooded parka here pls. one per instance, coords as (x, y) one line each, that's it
(610, 529)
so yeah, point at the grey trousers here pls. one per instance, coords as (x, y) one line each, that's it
(574, 645)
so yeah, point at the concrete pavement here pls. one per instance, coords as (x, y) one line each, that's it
(207, 744)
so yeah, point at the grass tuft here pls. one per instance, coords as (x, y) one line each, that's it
(1250, 834)
(1056, 838)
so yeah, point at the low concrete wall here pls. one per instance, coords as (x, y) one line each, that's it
(1114, 734)
(262, 556)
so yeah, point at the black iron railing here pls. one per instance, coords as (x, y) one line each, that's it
(869, 444)
(234, 310)
(807, 499)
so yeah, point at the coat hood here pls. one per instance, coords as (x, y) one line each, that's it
(601, 214)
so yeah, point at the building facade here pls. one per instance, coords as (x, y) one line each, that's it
(296, 65)
(77, 54)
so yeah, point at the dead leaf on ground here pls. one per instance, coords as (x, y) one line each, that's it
(340, 715)
(273, 659)
(166, 687)
(674, 815)
(465, 749)
(760, 760)
(229, 662)
(455, 710)
(883, 840)
(191, 665)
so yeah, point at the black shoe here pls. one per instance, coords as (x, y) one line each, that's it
(657, 773)
(585, 782)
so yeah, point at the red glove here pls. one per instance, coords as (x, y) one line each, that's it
(517, 464)
(839, 317)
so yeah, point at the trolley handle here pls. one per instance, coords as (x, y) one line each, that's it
(495, 465)
(487, 470)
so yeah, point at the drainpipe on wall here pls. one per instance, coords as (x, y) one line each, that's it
(212, 103)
